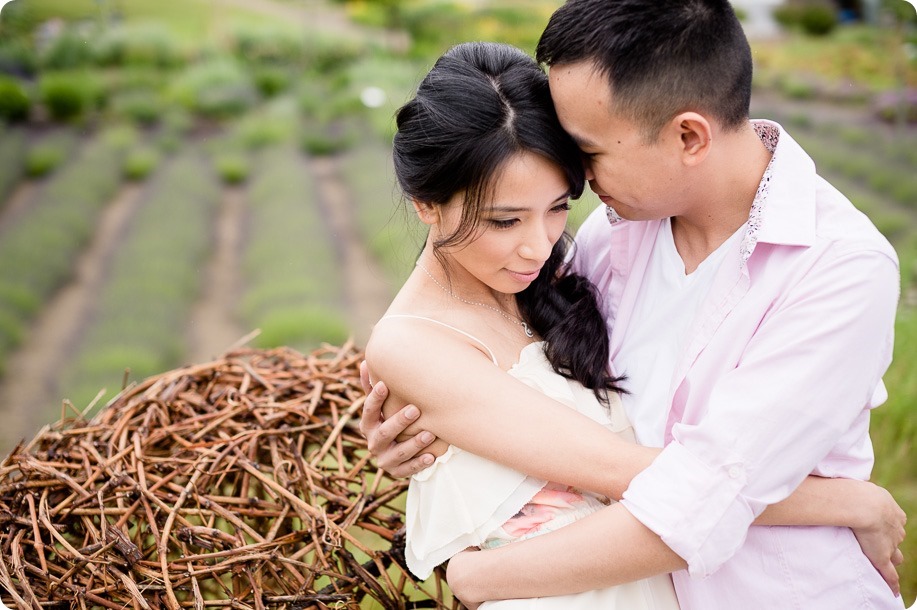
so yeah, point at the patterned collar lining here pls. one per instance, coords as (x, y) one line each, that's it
(770, 136)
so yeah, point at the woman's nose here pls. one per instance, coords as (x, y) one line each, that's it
(537, 246)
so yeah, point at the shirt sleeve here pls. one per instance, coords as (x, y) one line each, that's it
(804, 379)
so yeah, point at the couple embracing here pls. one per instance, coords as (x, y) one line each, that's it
(674, 408)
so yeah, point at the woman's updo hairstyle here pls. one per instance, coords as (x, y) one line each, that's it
(481, 105)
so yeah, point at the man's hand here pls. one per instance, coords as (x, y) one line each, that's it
(882, 534)
(396, 457)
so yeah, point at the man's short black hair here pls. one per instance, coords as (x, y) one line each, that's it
(661, 57)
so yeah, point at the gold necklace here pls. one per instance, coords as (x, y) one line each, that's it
(525, 327)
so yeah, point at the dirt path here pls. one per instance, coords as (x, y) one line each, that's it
(29, 396)
(20, 199)
(367, 291)
(213, 328)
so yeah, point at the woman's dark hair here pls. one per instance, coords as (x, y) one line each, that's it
(481, 105)
(660, 58)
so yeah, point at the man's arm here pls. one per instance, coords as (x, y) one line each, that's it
(606, 548)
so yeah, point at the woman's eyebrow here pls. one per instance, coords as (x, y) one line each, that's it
(505, 209)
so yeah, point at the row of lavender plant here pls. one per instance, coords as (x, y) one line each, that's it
(38, 248)
(141, 314)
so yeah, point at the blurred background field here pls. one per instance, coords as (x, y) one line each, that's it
(177, 173)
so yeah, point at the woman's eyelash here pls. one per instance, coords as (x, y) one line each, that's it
(503, 224)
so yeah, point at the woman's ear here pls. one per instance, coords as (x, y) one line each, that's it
(426, 212)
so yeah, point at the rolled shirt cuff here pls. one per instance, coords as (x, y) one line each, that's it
(695, 505)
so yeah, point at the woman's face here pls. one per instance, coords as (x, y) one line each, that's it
(516, 231)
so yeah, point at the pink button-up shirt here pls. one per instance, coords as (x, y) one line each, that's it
(780, 370)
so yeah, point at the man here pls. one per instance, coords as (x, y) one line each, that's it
(751, 308)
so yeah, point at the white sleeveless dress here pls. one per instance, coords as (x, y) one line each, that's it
(465, 500)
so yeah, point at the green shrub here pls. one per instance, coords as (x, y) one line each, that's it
(42, 159)
(232, 167)
(798, 88)
(137, 44)
(140, 162)
(46, 155)
(268, 45)
(301, 327)
(17, 56)
(818, 20)
(68, 95)
(218, 88)
(14, 101)
(68, 50)
(141, 106)
(272, 80)
(322, 139)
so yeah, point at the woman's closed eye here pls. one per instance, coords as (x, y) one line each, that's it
(503, 223)
(563, 207)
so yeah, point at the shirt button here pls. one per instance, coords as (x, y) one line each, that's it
(734, 472)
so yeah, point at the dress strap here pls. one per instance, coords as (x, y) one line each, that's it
(458, 330)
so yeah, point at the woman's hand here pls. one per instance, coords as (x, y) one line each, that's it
(396, 457)
(881, 531)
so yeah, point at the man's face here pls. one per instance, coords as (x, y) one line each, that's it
(639, 180)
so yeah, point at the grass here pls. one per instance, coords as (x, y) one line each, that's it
(190, 20)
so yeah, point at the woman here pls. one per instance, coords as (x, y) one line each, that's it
(482, 157)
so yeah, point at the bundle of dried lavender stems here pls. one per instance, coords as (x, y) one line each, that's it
(239, 483)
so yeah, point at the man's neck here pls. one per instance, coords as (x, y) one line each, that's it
(727, 188)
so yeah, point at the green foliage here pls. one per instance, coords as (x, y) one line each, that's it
(137, 44)
(17, 56)
(332, 137)
(14, 101)
(42, 160)
(69, 50)
(232, 167)
(818, 20)
(290, 266)
(12, 152)
(143, 309)
(217, 88)
(271, 80)
(45, 155)
(38, 251)
(68, 95)
(140, 162)
(144, 107)
(268, 45)
(385, 222)
(301, 326)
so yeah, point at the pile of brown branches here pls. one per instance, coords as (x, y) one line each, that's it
(239, 483)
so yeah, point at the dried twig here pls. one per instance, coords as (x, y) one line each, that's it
(242, 483)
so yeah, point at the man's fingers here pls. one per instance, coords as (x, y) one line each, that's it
(364, 378)
(897, 557)
(387, 431)
(890, 575)
(371, 418)
(406, 469)
(400, 460)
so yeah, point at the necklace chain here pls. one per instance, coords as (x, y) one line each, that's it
(525, 327)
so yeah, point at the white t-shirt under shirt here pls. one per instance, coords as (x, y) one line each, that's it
(667, 302)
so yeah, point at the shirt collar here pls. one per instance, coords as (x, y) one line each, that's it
(783, 211)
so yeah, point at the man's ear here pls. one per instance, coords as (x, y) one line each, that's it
(695, 135)
(426, 212)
